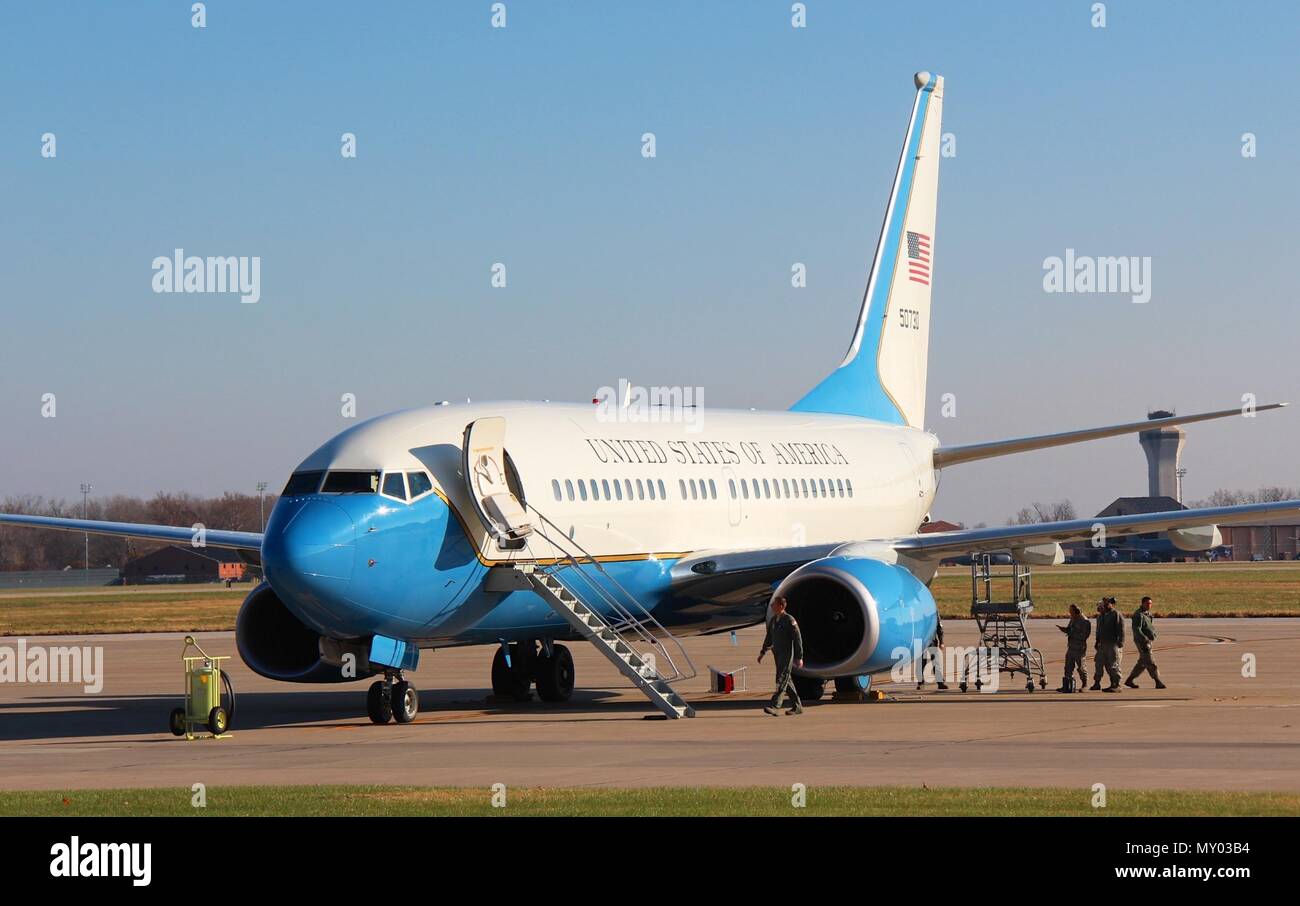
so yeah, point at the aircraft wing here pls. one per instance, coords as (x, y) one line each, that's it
(951, 456)
(988, 539)
(177, 534)
(723, 575)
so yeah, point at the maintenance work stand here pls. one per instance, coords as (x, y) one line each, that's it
(1001, 602)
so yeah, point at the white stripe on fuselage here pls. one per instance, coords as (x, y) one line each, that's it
(887, 465)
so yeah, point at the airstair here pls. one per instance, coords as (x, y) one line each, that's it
(543, 558)
(579, 589)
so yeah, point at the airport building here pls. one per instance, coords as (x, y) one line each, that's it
(185, 564)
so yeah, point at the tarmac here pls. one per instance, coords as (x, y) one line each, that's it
(1212, 729)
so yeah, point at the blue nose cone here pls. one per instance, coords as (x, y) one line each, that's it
(308, 554)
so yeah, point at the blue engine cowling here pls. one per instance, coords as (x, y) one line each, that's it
(276, 644)
(856, 613)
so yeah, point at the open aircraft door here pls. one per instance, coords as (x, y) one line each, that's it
(494, 488)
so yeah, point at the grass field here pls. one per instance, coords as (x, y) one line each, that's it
(360, 801)
(1180, 590)
(179, 609)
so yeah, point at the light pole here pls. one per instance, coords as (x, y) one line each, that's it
(261, 504)
(86, 488)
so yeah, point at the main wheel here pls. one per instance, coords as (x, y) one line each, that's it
(506, 682)
(810, 688)
(218, 721)
(405, 702)
(850, 683)
(555, 675)
(379, 703)
(177, 722)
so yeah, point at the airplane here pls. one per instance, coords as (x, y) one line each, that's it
(524, 525)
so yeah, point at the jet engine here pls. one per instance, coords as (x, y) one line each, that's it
(858, 615)
(276, 644)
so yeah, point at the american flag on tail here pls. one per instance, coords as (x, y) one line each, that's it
(918, 258)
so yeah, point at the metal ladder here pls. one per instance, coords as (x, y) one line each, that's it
(627, 631)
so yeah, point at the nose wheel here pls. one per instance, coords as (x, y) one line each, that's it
(392, 698)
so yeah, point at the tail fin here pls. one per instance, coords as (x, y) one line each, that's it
(883, 375)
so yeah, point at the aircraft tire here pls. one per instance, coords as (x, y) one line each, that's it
(405, 702)
(379, 703)
(555, 675)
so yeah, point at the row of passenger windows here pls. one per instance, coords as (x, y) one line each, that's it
(701, 489)
(399, 485)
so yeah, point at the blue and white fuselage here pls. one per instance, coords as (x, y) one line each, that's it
(638, 497)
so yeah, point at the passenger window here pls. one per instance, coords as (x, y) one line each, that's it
(754, 482)
(839, 487)
(650, 488)
(813, 488)
(618, 489)
(351, 483)
(568, 489)
(713, 489)
(640, 491)
(555, 489)
(394, 486)
(604, 486)
(731, 483)
(744, 489)
(420, 483)
(785, 486)
(822, 482)
(627, 485)
(848, 485)
(595, 491)
(582, 489)
(682, 485)
(663, 492)
(767, 489)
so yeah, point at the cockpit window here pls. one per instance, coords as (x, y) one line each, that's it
(393, 486)
(351, 483)
(420, 483)
(301, 483)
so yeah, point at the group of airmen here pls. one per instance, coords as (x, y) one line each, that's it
(1108, 646)
(786, 642)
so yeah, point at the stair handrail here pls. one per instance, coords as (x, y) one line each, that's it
(628, 621)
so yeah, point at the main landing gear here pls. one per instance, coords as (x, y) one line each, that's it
(392, 698)
(548, 665)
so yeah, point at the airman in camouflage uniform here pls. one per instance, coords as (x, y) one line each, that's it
(1076, 648)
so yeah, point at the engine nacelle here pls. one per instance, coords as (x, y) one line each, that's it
(277, 645)
(855, 613)
(1196, 538)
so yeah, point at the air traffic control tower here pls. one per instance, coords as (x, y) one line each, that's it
(1163, 446)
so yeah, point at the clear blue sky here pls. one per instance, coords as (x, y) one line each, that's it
(522, 145)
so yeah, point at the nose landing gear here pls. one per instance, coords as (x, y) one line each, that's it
(392, 698)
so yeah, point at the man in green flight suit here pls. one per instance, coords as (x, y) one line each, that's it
(1144, 633)
(786, 642)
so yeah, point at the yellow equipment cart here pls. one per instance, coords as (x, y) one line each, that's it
(204, 683)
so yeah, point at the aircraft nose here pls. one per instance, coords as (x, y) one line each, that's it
(310, 552)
